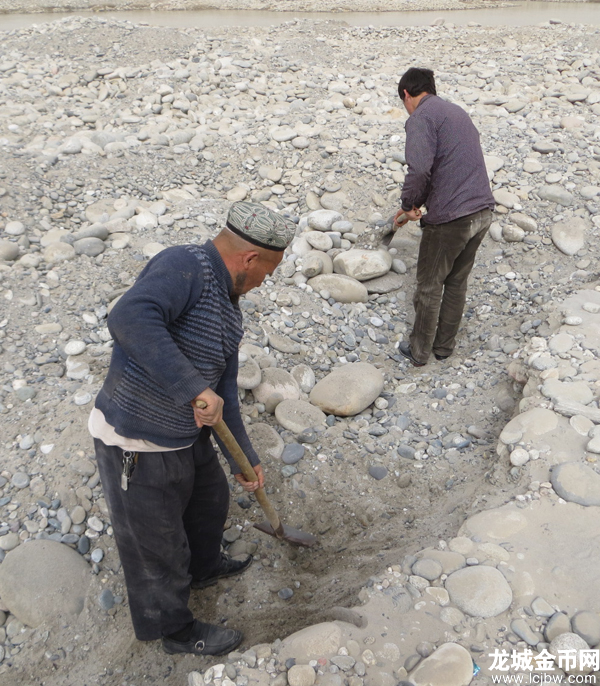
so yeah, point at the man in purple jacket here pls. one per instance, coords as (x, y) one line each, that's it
(447, 174)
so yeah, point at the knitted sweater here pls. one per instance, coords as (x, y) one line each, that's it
(176, 332)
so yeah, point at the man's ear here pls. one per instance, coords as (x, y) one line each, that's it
(249, 259)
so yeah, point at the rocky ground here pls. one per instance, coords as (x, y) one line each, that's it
(119, 140)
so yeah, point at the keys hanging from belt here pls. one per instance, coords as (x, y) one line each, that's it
(129, 461)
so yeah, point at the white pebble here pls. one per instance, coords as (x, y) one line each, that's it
(519, 457)
(75, 347)
(95, 524)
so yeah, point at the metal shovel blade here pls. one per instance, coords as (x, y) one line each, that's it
(288, 533)
(387, 239)
(392, 225)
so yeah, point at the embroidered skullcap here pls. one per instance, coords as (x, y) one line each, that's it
(260, 226)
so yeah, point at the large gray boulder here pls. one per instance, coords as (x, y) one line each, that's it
(321, 220)
(298, 415)
(557, 194)
(348, 390)
(249, 375)
(363, 265)
(8, 251)
(276, 382)
(265, 440)
(576, 483)
(43, 579)
(449, 665)
(342, 288)
(479, 591)
(312, 642)
(569, 236)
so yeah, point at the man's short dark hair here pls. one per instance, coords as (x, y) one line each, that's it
(416, 80)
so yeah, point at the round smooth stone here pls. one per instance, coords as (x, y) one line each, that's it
(581, 424)
(83, 545)
(15, 228)
(58, 252)
(26, 442)
(82, 398)
(479, 591)
(20, 480)
(519, 457)
(78, 515)
(300, 142)
(587, 625)
(95, 524)
(307, 436)
(232, 534)
(9, 542)
(288, 470)
(569, 642)
(378, 471)
(92, 247)
(428, 569)
(75, 347)
(292, 453)
(285, 593)
(106, 599)
(8, 251)
(25, 393)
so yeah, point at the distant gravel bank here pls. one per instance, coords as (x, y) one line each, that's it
(33, 6)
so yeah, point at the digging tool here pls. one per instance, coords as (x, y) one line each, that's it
(274, 527)
(394, 224)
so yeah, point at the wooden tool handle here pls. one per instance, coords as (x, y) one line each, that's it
(249, 474)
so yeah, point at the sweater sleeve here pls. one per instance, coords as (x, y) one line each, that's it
(228, 390)
(420, 149)
(168, 286)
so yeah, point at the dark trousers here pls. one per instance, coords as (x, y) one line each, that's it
(168, 527)
(446, 257)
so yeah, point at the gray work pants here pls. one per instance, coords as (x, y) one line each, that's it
(168, 527)
(446, 257)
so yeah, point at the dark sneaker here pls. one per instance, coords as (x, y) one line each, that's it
(404, 348)
(205, 639)
(439, 358)
(227, 567)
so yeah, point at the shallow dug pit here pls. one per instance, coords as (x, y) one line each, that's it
(363, 525)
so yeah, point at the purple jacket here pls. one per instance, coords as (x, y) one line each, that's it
(446, 170)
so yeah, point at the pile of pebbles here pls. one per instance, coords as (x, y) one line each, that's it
(120, 140)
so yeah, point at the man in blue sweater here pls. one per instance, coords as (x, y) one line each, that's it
(447, 174)
(176, 335)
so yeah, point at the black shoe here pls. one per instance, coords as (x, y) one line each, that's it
(404, 349)
(440, 357)
(226, 567)
(205, 639)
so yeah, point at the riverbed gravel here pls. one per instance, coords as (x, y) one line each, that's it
(120, 140)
